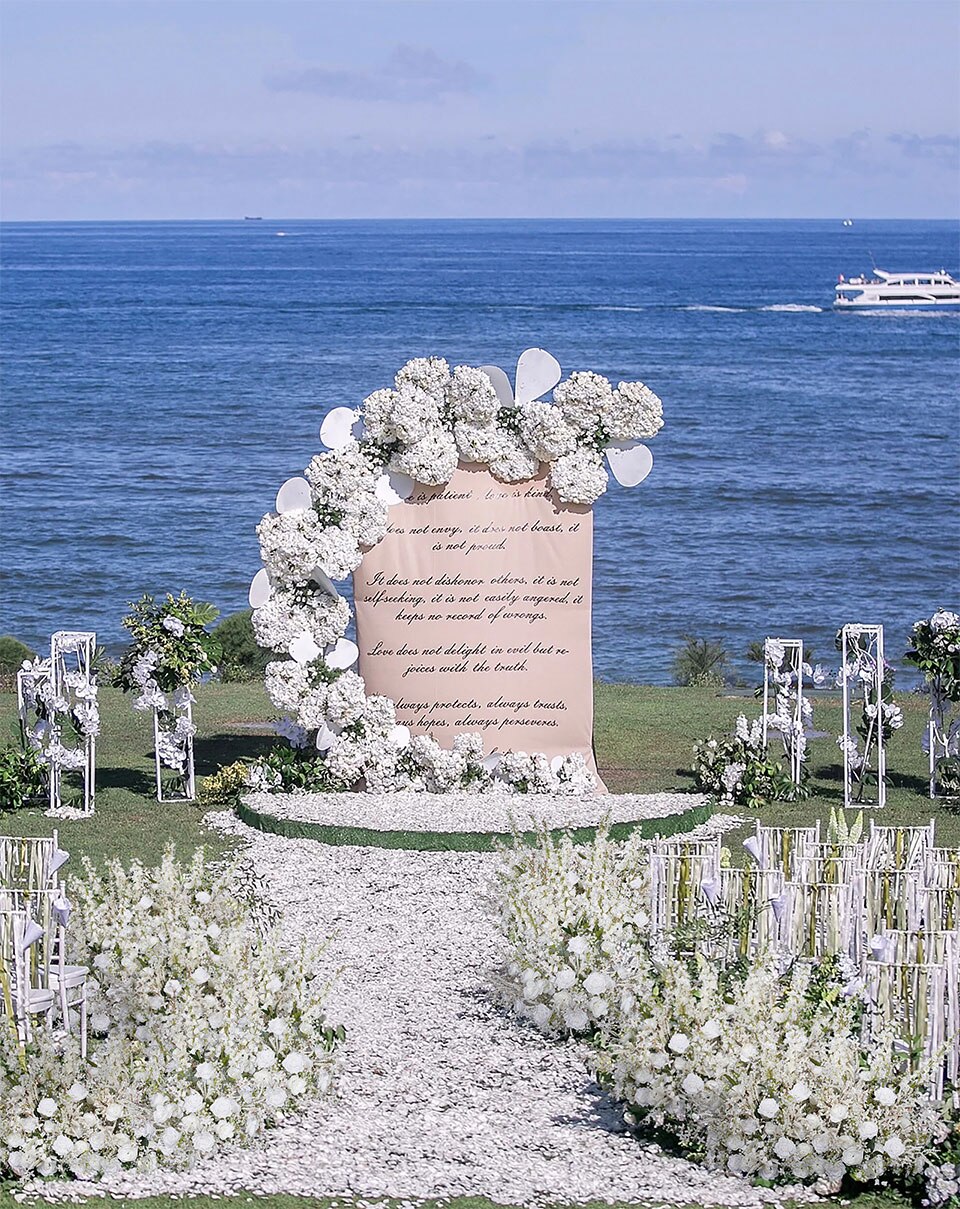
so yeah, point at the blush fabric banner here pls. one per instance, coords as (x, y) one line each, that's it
(474, 614)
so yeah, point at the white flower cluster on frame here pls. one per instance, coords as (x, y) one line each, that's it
(55, 713)
(431, 420)
(207, 1031)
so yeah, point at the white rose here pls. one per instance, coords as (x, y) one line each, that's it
(768, 1107)
(596, 983)
(200, 976)
(692, 1084)
(192, 1102)
(294, 1063)
(223, 1107)
(894, 1147)
(885, 1096)
(565, 979)
(679, 1043)
(77, 1092)
(47, 1107)
(800, 1092)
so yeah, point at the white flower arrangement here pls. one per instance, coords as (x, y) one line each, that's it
(210, 1031)
(419, 431)
(763, 1070)
(56, 716)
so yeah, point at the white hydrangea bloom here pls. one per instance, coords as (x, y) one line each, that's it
(632, 412)
(378, 409)
(365, 516)
(287, 614)
(287, 682)
(428, 374)
(545, 430)
(346, 697)
(432, 459)
(476, 442)
(583, 398)
(579, 477)
(512, 461)
(471, 396)
(338, 474)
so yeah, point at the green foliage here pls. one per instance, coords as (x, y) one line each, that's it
(740, 772)
(175, 633)
(241, 659)
(935, 652)
(12, 654)
(700, 663)
(755, 653)
(224, 787)
(22, 778)
(294, 768)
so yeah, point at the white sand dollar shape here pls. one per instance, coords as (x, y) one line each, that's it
(342, 655)
(337, 428)
(303, 649)
(630, 463)
(537, 372)
(324, 582)
(325, 738)
(260, 589)
(394, 487)
(294, 496)
(500, 383)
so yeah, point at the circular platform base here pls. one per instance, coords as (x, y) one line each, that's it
(467, 822)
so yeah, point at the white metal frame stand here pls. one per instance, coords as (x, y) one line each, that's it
(852, 641)
(939, 726)
(179, 709)
(792, 649)
(82, 644)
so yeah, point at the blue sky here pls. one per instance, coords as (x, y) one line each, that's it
(557, 108)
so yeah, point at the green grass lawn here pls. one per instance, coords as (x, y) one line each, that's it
(644, 741)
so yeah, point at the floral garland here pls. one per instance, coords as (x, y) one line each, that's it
(171, 651)
(419, 431)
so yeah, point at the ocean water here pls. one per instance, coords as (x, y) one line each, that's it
(161, 379)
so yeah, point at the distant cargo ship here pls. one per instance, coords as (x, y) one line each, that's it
(253, 218)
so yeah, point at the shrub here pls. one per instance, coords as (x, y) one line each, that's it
(12, 654)
(224, 787)
(242, 659)
(22, 778)
(700, 663)
(739, 771)
(210, 1029)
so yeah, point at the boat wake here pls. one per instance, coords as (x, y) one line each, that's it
(793, 308)
(729, 310)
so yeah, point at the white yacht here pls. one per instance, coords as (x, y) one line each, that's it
(906, 290)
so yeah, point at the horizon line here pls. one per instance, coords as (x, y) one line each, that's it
(839, 217)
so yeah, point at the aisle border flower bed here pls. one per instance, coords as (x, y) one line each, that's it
(210, 1027)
